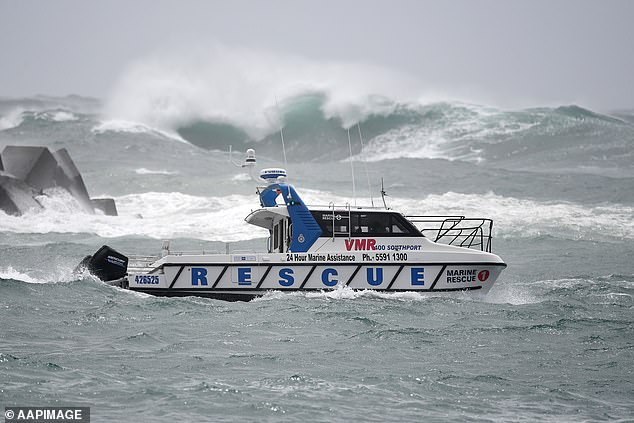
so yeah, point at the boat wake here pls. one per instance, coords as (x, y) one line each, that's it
(58, 274)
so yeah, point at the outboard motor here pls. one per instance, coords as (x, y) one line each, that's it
(106, 264)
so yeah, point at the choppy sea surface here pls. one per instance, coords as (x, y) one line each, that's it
(552, 341)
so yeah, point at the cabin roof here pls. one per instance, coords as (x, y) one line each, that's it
(353, 209)
(266, 217)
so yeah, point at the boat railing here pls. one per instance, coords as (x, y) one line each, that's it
(140, 264)
(243, 252)
(194, 252)
(345, 207)
(475, 233)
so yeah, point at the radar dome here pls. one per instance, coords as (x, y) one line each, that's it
(273, 175)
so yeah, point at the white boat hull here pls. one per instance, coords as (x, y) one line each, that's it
(244, 280)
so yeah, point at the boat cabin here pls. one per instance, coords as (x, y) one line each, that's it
(363, 223)
(348, 223)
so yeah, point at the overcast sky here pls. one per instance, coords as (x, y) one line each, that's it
(497, 52)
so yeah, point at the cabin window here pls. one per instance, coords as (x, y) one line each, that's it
(276, 237)
(371, 223)
(398, 227)
(364, 224)
(327, 221)
(281, 236)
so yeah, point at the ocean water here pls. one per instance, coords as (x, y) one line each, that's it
(552, 341)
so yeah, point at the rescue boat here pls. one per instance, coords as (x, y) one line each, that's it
(317, 248)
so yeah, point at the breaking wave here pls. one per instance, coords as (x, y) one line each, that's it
(12, 119)
(17, 117)
(248, 90)
(132, 128)
(43, 109)
(56, 116)
(218, 97)
(227, 100)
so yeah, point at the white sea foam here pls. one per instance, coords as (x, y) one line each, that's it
(15, 117)
(11, 273)
(144, 171)
(448, 137)
(531, 292)
(514, 217)
(12, 119)
(52, 275)
(57, 116)
(164, 215)
(510, 293)
(53, 115)
(58, 201)
(221, 218)
(410, 141)
(118, 125)
(347, 293)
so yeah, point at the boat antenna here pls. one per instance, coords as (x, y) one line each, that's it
(279, 115)
(365, 164)
(280, 118)
(383, 195)
(354, 194)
